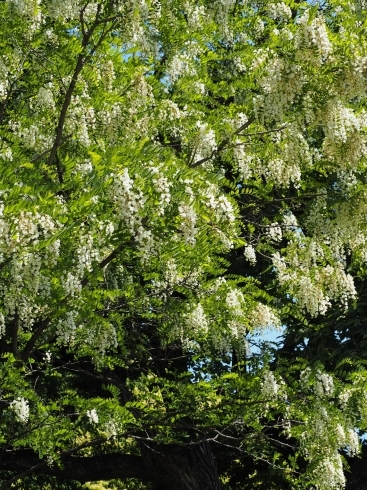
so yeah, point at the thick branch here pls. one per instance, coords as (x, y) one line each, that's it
(67, 101)
(357, 479)
(32, 341)
(103, 263)
(82, 59)
(170, 466)
(94, 468)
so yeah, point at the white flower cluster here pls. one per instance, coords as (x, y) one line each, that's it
(86, 254)
(258, 27)
(237, 334)
(222, 8)
(321, 442)
(4, 79)
(188, 223)
(109, 117)
(313, 286)
(129, 204)
(81, 119)
(162, 187)
(180, 65)
(30, 10)
(235, 301)
(20, 406)
(5, 151)
(270, 387)
(250, 255)
(33, 138)
(244, 161)
(352, 442)
(305, 377)
(195, 15)
(324, 384)
(196, 320)
(171, 273)
(279, 11)
(71, 284)
(205, 143)
(108, 75)
(313, 34)
(283, 172)
(111, 429)
(106, 338)
(219, 204)
(47, 357)
(274, 232)
(343, 144)
(281, 83)
(68, 9)
(93, 416)
(2, 325)
(66, 328)
(290, 221)
(84, 168)
(352, 82)
(262, 316)
(45, 98)
(329, 473)
(349, 440)
(286, 35)
(344, 398)
(169, 111)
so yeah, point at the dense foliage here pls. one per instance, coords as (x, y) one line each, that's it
(175, 177)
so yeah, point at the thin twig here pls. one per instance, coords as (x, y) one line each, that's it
(264, 132)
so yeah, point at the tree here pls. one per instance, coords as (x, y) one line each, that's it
(177, 176)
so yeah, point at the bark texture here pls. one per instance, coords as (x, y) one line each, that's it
(182, 467)
(168, 466)
(357, 478)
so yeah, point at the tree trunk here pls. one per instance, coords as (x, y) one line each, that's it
(357, 478)
(169, 466)
(182, 467)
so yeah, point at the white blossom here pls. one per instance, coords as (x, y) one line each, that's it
(329, 473)
(93, 416)
(279, 11)
(324, 384)
(275, 232)
(196, 320)
(234, 301)
(20, 406)
(270, 387)
(188, 223)
(45, 99)
(2, 325)
(250, 255)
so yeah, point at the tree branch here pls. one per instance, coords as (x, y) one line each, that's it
(82, 469)
(103, 263)
(259, 133)
(224, 143)
(32, 341)
(82, 59)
